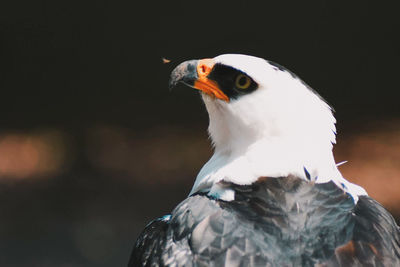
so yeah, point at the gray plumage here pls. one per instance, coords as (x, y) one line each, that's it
(274, 222)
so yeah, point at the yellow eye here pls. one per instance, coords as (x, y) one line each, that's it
(242, 81)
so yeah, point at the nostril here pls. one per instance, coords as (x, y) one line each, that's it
(203, 68)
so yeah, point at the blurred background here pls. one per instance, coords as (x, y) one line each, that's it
(93, 145)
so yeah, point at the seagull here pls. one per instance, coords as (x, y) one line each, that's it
(271, 194)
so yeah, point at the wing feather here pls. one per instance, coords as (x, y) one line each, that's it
(273, 222)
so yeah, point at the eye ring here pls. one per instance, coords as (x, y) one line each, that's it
(242, 81)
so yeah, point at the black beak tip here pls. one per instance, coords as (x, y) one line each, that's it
(185, 72)
(172, 83)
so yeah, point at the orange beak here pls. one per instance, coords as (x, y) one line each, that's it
(210, 87)
(194, 73)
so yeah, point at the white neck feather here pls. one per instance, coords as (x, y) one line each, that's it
(276, 131)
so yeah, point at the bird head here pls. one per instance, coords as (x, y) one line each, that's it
(249, 98)
(264, 121)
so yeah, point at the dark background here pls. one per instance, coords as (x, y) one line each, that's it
(93, 145)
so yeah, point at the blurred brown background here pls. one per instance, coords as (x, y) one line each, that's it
(93, 145)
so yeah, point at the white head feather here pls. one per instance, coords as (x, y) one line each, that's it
(282, 128)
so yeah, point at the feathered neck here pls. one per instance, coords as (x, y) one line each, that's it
(253, 140)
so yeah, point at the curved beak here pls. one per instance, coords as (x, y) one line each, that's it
(194, 73)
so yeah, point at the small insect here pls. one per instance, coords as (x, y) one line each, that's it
(165, 60)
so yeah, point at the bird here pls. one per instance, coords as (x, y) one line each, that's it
(271, 194)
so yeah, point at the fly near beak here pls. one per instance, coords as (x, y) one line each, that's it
(194, 73)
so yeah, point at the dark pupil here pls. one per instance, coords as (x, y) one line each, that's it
(242, 80)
